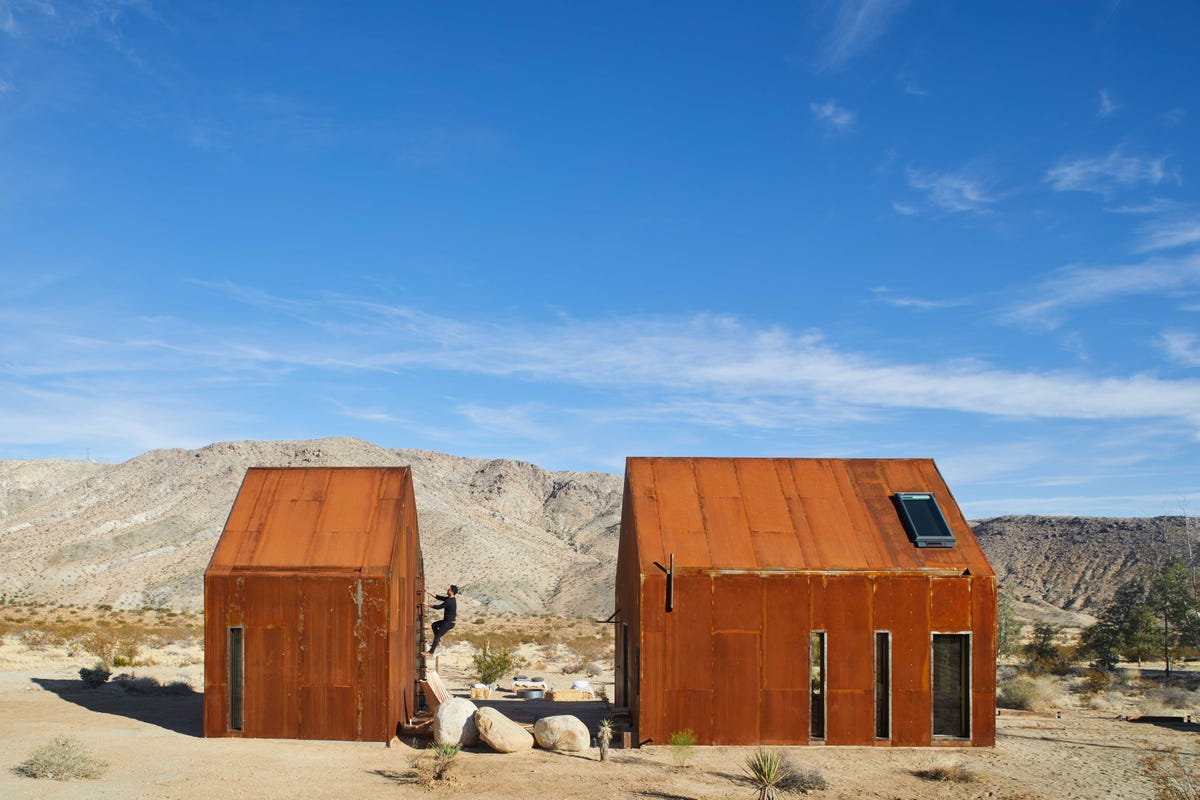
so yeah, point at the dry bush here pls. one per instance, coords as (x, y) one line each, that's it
(63, 759)
(114, 646)
(1026, 693)
(956, 772)
(35, 639)
(149, 686)
(1174, 776)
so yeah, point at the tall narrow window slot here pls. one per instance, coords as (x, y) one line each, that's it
(237, 678)
(883, 685)
(951, 685)
(816, 672)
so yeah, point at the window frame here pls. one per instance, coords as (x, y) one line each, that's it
(944, 537)
(824, 684)
(965, 694)
(888, 686)
(236, 675)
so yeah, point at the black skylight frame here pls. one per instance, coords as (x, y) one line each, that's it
(923, 519)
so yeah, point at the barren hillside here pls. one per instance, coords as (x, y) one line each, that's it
(513, 536)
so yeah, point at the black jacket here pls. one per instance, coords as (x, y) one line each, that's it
(450, 604)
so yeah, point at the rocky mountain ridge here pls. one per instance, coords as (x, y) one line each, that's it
(515, 537)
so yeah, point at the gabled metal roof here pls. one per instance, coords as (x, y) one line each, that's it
(315, 519)
(788, 514)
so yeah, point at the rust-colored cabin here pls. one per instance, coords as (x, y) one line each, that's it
(802, 601)
(311, 606)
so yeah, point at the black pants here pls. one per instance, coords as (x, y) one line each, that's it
(439, 629)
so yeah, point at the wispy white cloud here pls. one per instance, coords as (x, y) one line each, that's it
(1166, 234)
(887, 295)
(1155, 205)
(1079, 286)
(904, 209)
(1182, 347)
(1109, 174)
(956, 192)
(1107, 107)
(857, 26)
(832, 116)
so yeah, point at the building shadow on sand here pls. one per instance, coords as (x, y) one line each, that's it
(182, 712)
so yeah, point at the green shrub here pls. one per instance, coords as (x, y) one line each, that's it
(491, 664)
(63, 759)
(443, 758)
(682, 743)
(1094, 682)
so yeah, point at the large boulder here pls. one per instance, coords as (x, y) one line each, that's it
(454, 723)
(500, 733)
(561, 732)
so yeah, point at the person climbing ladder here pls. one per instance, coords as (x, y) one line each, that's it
(449, 613)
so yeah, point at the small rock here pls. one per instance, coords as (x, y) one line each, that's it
(500, 733)
(561, 732)
(454, 723)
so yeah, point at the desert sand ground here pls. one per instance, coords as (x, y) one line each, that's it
(153, 749)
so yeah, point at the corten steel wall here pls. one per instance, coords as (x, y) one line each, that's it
(319, 568)
(766, 551)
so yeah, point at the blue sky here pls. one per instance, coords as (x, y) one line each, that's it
(568, 233)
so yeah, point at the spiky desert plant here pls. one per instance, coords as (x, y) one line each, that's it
(443, 757)
(766, 771)
(604, 737)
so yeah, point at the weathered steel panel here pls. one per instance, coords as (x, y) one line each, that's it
(851, 640)
(950, 604)
(737, 602)
(679, 515)
(766, 506)
(717, 477)
(983, 661)
(729, 544)
(785, 634)
(785, 715)
(688, 708)
(850, 716)
(735, 695)
(910, 660)
(689, 648)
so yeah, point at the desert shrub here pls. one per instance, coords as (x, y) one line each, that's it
(1171, 696)
(956, 772)
(798, 780)
(1094, 682)
(95, 677)
(491, 663)
(63, 759)
(35, 639)
(150, 686)
(1173, 776)
(590, 648)
(682, 744)
(115, 647)
(1025, 693)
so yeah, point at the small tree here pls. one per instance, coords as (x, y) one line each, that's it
(491, 664)
(1042, 655)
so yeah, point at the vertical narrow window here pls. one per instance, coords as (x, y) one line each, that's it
(951, 685)
(883, 685)
(237, 677)
(816, 672)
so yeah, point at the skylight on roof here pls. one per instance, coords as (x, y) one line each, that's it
(923, 520)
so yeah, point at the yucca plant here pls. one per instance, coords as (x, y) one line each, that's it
(766, 771)
(604, 737)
